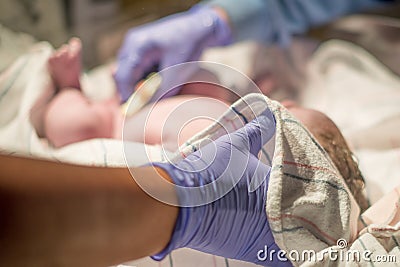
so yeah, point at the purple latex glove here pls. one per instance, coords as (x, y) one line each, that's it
(175, 39)
(222, 197)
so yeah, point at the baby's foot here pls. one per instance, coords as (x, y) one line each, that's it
(65, 65)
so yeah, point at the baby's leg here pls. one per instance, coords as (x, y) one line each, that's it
(39, 109)
(64, 67)
(71, 117)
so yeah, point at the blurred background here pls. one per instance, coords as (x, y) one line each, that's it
(100, 24)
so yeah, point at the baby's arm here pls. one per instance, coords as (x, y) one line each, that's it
(386, 211)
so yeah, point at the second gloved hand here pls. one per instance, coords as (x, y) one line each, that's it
(175, 39)
(222, 190)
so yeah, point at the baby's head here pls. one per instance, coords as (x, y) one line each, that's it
(332, 140)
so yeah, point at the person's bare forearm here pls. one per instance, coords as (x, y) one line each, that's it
(55, 214)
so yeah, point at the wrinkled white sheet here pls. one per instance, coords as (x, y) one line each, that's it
(362, 97)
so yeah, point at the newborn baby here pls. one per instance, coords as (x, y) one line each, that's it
(71, 117)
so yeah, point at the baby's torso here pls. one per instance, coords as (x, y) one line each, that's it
(172, 121)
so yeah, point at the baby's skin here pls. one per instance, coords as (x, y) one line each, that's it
(71, 117)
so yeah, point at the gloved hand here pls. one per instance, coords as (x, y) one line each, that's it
(175, 39)
(222, 196)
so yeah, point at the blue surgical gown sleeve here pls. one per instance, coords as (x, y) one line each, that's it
(274, 21)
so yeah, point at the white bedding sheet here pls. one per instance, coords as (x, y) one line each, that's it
(362, 96)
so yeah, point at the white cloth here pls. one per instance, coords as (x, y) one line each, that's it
(362, 97)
